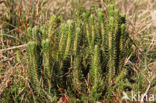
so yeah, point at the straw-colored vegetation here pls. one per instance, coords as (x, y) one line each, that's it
(77, 51)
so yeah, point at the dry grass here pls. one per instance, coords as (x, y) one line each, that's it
(141, 18)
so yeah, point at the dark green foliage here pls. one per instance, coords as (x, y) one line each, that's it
(83, 58)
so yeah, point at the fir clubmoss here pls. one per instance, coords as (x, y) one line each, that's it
(95, 73)
(101, 23)
(76, 41)
(36, 36)
(87, 30)
(34, 66)
(52, 24)
(68, 44)
(88, 48)
(111, 70)
(122, 36)
(62, 40)
(77, 73)
(47, 62)
(44, 33)
(110, 10)
(92, 22)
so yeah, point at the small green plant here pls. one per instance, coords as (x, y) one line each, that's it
(95, 75)
(47, 62)
(69, 32)
(34, 66)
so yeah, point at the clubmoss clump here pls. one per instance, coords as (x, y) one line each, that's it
(84, 58)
